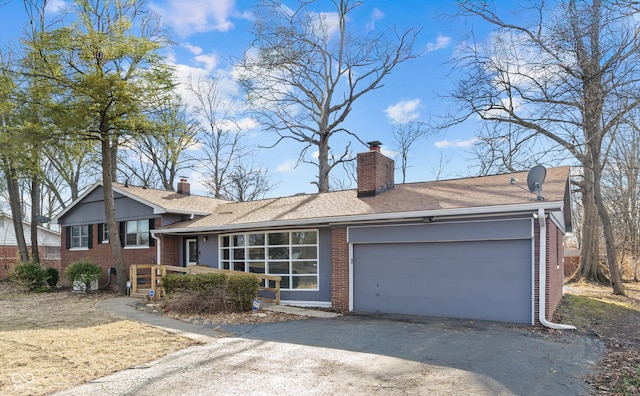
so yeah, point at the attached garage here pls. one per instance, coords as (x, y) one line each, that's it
(472, 269)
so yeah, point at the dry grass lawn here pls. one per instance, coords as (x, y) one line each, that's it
(54, 341)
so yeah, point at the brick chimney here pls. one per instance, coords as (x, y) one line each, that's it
(375, 171)
(184, 187)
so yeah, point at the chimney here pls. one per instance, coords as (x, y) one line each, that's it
(184, 187)
(375, 171)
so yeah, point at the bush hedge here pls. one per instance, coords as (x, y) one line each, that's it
(210, 293)
(84, 272)
(54, 277)
(30, 275)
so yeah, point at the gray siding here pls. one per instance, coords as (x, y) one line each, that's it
(91, 210)
(208, 251)
(449, 231)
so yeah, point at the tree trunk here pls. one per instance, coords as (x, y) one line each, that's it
(615, 275)
(323, 164)
(35, 212)
(110, 213)
(113, 156)
(16, 211)
(589, 268)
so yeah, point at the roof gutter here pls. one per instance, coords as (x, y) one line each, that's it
(158, 250)
(486, 210)
(542, 276)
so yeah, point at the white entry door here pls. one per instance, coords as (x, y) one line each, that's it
(191, 246)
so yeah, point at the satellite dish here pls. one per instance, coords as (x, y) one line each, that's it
(535, 178)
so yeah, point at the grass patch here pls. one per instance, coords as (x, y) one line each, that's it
(54, 341)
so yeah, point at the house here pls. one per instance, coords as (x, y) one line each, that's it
(48, 245)
(464, 248)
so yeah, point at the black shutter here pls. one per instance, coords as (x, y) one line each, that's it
(122, 225)
(68, 237)
(100, 232)
(152, 242)
(90, 231)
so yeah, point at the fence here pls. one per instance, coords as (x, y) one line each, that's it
(147, 277)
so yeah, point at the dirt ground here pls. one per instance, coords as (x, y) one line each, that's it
(53, 341)
(616, 320)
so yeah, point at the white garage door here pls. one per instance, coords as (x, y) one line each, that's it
(488, 280)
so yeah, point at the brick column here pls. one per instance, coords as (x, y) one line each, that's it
(339, 269)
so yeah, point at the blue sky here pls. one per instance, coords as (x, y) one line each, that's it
(208, 33)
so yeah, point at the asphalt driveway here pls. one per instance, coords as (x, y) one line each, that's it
(363, 355)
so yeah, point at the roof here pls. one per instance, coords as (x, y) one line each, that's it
(162, 201)
(26, 223)
(473, 195)
(165, 201)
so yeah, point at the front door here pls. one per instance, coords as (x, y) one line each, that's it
(191, 251)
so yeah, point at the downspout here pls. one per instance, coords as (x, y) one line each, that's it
(542, 276)
(158, 256)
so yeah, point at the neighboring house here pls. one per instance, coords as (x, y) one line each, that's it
(465, 248)
(48, 245)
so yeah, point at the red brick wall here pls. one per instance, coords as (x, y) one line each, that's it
(101, 255)
(9, 257)
(170, 246)
(339, 269)
(555, 269)
(375, 173)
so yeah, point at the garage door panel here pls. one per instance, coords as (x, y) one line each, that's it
(477, 280)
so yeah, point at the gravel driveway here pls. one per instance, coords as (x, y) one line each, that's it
(364, 355)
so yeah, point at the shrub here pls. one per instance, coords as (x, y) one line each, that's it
(30, 275)
(54, 277)
(241, 290)
(209, 293)
(176, 283)
(84, 272)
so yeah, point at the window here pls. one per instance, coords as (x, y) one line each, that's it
(104, 235)
(292, 255)
(137, 233)
(79, 237)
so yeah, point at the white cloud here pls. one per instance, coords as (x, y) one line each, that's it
(55, 5)
(194, 49)
(376, 15)
(210, 61)
(287, 166)
(197, 16)
(441, 42)
(455, 143)
(403, 111)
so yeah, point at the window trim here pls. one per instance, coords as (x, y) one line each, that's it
(247, 261)
(71, 237)
(104, 230)
(138, 233)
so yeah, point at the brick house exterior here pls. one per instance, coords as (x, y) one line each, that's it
(467, 248)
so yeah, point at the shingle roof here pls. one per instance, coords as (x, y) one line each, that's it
(493, 192)
(172, 201)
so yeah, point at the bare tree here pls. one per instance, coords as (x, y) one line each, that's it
(156, 157)
(405, 134)
(568, 75)
(220, 135)
(305, 71)
(621, 189)
(247, 183)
